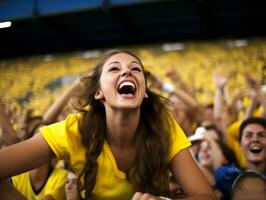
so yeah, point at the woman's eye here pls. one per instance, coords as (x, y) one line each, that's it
(136, 69)
(113, 69)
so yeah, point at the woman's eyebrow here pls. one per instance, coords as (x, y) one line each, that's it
(115, 62)
(136, 62)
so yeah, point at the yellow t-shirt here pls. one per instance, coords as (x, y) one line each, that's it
(54, 186)
(233, 142)
(111, 184)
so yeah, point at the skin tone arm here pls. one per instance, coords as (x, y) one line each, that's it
(256, 97)
(216, 152)
(175, 77)
(253, 87)
(24, 156)
(218, 97)
(8, 192)
(9, 135)
(188, 100)
(262, 99)
(184, 93)
(56, 108)
(190, 178)
(221, 90)
(220, 82)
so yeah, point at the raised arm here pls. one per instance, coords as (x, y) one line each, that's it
(51, 115)
(182, 93)
(190, 178)
(175, 77)
(256, 97)
(262, 100)
(220, 82)
(9, 135)
(24, 156)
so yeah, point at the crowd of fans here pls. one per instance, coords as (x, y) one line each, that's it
(216, 95)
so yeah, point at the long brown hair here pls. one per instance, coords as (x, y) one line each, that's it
(148, 172)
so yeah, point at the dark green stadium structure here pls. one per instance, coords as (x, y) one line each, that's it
(51, 26)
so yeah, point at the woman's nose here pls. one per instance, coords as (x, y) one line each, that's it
(126, 72)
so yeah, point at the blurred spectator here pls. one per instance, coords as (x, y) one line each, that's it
(71, 187)
(183, 104)
(249, 185)
(252, 137)
(47, 181)
(207, 116)
(210, 152)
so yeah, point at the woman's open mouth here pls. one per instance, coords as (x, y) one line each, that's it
(127, 88)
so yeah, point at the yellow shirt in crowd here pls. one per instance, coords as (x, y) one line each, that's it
(111, 183)
(54, 185)
(233, 142)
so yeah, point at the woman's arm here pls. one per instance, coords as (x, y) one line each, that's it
(8, 191)
(190, 178)
(24, 156)
(9, 135)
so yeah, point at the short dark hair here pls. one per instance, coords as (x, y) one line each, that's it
(251, 120)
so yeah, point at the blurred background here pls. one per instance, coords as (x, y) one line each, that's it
(45, 45)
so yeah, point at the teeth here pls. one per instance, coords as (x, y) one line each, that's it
(126, 83)
(255, 148)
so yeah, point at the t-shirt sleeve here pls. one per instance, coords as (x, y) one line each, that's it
(62, 136)
(179, 140)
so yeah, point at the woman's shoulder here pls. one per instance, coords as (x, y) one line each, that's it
(74, 117)
(71, 120)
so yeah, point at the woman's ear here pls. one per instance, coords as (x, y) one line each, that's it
(98, 95)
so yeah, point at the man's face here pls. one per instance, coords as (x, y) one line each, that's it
(253, 143)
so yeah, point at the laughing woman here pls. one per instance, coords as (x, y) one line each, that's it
(123, 146)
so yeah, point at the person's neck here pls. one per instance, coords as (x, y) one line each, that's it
(257, 166)
(122, 126)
